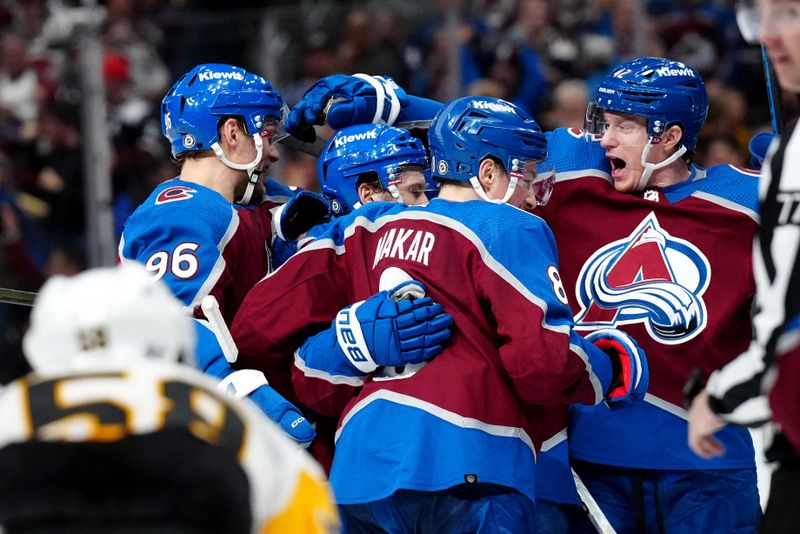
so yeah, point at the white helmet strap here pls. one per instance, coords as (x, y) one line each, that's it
(650, 167)
(512, 185)
(252, 173)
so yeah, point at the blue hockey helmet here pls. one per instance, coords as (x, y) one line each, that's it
(468, 130)
(193, 107)
(664, 92)
(355, 150)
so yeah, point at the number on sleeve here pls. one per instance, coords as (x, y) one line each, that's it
(158, 264)
(184, 262)
(558, 285)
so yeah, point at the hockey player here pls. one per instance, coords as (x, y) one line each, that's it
(665, 259)
(654, 245)
(368, 162)
(446, 445)
(113, 432)
(362, 164)
(770, 367)
(208, 232)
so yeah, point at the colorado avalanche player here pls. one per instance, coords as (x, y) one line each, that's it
(208, 232)
(654, 245)
(444, 444)
(660, 248)
(366, 163)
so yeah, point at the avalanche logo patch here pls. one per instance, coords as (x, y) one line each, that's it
(175, 193)
(648, 277)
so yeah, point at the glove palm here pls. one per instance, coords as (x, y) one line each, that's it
(632, 376)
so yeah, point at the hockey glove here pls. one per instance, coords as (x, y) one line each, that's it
(253, 385)
(343, 100)
(758, 146)
(300, 213)
(394, 327)
(631, 376)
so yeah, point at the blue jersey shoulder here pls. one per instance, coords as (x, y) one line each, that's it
(175, 201)
(727, 185)
(571, 150)
(179, 233)
(733, 184)
(497, 228)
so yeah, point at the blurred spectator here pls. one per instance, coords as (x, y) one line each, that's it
(727, 115)
(721, 149)
(568, 110)
(300, 170)
(55, 169)
(363, 49)
(487, 87)
(19, 83)
(518, 68)
(147, 75)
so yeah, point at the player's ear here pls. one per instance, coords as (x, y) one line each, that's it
(672, 137)
(229, 130)
(486, 172)
(365, 193)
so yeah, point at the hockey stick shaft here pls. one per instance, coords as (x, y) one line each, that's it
(774, 94)
(15, 296)
(596, 515)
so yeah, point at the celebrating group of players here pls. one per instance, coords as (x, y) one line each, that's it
(460, 327)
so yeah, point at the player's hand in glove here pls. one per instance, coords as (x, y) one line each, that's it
(343, 100)
(631, 375)
(304, 210)
(395, 327)
(253, 385)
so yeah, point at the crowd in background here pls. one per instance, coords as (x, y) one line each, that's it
(544, 55)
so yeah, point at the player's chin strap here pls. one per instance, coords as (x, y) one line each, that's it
(650, 167)
(512, 185)
(252, 173)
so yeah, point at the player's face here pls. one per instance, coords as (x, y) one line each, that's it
(624, 140)
(412, 187)
(269, 149)
(780, 33)
(534, 185)
(523, 197)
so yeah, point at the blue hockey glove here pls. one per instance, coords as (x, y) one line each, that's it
(253, 385)
(343, 100)
(301, 212)
(758, 146)
(396, 327)
(631, 375)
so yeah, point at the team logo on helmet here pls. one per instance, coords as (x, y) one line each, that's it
(189, 140)
(648, 277)
(336, 206)
(441, 167)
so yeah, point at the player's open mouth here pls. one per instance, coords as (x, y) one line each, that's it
(617, 164)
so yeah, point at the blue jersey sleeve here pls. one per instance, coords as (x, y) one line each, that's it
(534, 318)
(181, 241)
(573, 152)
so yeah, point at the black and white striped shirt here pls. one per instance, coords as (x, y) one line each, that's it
(738, 392)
